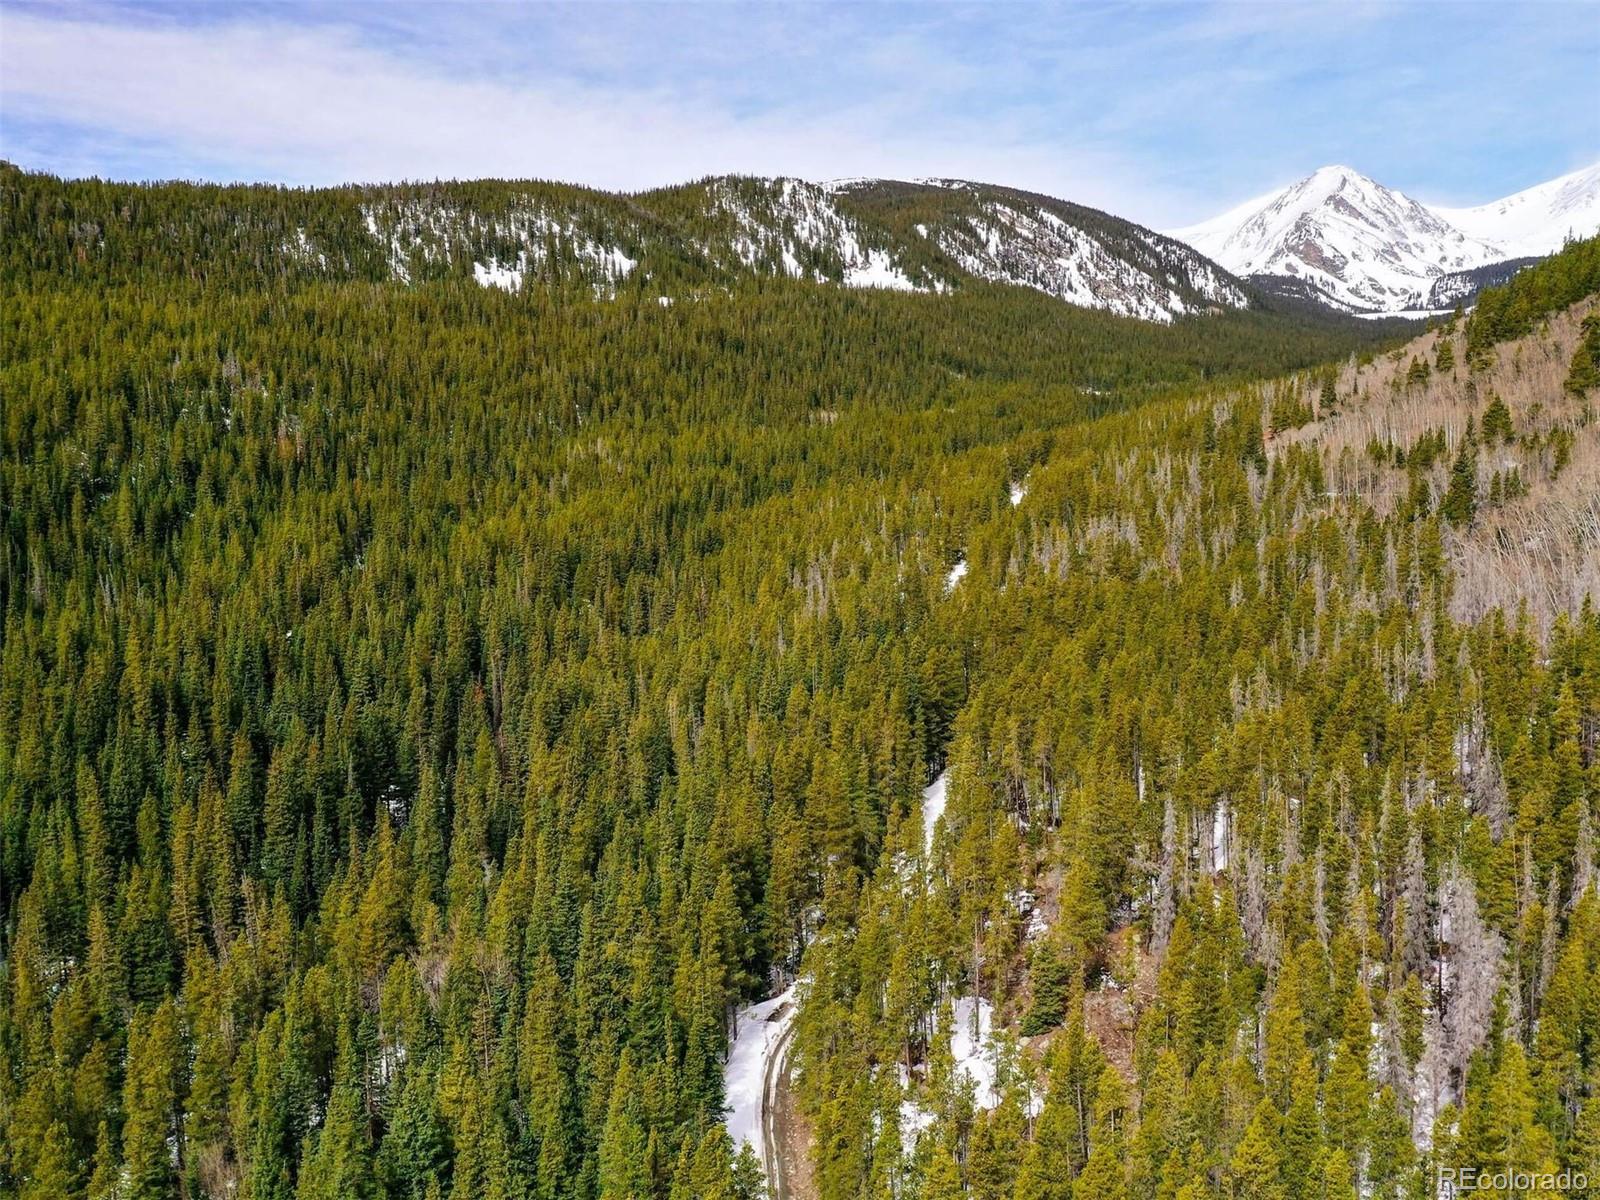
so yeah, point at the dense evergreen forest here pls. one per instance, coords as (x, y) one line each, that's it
(429, 712)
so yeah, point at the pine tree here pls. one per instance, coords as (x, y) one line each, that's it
(1104, 1174)
(749, 1180)
(153, 1137)
(942, 1177)
(624, 1164)
(1256, 1168)
(53, 1173)
(413, 1156)
(1336, 1181)
(1460, 502)
(1391, 1156)
(337, 1164)
(1497, 426)
(1584, 373)
(1300, 1131)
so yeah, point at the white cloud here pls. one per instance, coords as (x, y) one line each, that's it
(1165, 114)
(319, 105)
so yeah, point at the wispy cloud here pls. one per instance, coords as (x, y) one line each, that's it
(1160, 112)
(318, 104)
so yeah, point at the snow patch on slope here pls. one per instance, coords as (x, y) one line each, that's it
(1219, 836)
(493, 274)
(303, 249)
(933, 801)
(975, 1055)
(956, 574)
(878, 271)
(913, 1118)
(525, 238)
(972, 1047)
(797, 225)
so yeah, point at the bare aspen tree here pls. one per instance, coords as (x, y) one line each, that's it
(1487, 793)
(1583, 856)
(1416, 953)
(1166, 901)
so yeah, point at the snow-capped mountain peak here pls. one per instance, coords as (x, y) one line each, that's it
(1343, 238)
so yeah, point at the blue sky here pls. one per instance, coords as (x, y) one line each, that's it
(1165, 113)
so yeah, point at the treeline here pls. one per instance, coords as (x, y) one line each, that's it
(681, 244)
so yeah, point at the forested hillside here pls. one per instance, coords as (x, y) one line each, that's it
(665, 245)
(429, 712)
(1264, 863)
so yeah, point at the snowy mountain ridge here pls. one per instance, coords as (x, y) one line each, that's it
(928, 236)
(1076, 254)
(1537, 220)
(1032, 245)
(1344, 239)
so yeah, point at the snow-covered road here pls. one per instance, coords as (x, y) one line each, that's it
(760, 1032)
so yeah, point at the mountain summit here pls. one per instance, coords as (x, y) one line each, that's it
(1342, 238)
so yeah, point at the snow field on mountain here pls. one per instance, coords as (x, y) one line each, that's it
(807, 231)
(1539, 219)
